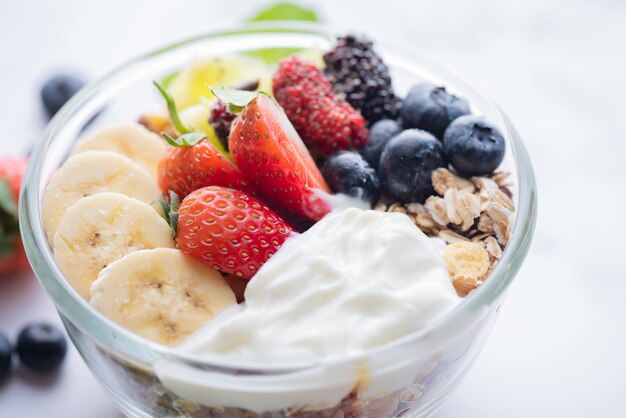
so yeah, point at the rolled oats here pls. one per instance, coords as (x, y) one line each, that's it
(443, 179)
(475, 211)
(450, 237)
(436, 208)
(493, 248)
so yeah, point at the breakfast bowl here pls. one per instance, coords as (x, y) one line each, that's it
(408, 377)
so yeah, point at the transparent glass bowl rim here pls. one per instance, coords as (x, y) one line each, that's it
(130, 346)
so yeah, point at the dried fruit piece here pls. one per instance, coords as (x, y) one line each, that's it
(468, 263)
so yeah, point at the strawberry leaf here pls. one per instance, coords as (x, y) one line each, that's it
(7, 203)
(235, 99)
(171, 107)
(170, 210)
(185, 140)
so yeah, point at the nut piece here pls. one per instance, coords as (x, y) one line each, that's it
(464, 285)
(468, 263)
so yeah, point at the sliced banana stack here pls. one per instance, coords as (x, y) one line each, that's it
(133, 141)
(92, 172)
(160, 294)
(102, 228)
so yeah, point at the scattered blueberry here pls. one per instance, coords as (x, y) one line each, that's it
(5, 356)
(407, 163)
(347, 172)
(431, 108)
(473, 146)
(41, 347)
(380, 133)
(58, 90)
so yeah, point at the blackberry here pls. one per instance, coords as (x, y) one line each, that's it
(360, 76)
(221, 119)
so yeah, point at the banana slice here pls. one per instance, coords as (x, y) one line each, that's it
(133, 141)
(92, 172)
(161, 294)
(102, 228)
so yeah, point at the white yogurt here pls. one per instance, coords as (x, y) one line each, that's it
(355, 281)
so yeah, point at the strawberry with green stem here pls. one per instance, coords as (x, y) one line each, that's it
(268, 150)
(192, 162)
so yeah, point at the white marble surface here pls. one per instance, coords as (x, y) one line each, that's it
(558, 70)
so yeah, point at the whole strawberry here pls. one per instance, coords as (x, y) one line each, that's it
(229, 230)
(12, 256)
(193, 162)
(326, 123)
(268, 150)
(185, 168)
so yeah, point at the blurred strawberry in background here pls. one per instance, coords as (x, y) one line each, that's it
(12, 257)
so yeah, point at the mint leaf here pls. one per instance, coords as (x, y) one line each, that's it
(171, 107)
(281, 11)
(188, 139)
(236, 99)
(285, 11)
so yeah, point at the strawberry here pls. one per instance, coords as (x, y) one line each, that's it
(193, 162)
(229, 230)
(12, 255)
(325, 122)
(183, 169)
(268, 150)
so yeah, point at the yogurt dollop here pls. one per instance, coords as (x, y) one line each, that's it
(356, 280)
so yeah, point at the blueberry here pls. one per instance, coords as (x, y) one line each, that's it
(407, 163)
(5, 356)
(431, 108)
(473, 146)
(58, 90)
(380, 133)
(41, 347)
(347, 172)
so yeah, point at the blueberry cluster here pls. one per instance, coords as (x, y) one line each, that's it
(435, 129)
(40, 347)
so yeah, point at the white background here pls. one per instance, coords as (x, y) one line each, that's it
(559, 347)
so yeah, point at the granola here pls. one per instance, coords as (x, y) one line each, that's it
(478, 210)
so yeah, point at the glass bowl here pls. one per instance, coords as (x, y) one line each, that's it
(410, 377)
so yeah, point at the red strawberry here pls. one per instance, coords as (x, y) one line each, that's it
(193, 162)
(326, 123)
(229, 230)
(12, 256)
(184, 169)
(268, 150)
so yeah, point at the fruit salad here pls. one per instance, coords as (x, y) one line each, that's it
(283, 214)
